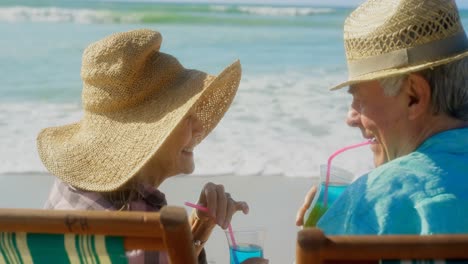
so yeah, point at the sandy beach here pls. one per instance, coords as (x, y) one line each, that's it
(273, 202)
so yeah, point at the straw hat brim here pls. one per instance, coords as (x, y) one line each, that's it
(104, 151)
(398, 71)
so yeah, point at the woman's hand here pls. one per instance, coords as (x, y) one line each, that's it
(220, 204)
(307, 201)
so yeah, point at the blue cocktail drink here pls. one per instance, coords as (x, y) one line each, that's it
(245, 244)
(244, 251)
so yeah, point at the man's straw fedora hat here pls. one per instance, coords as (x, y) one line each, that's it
(133, 98)
(384, 38)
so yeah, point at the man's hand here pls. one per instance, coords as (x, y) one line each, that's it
(307, 201)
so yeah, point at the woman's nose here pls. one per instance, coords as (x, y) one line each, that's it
(353, 118)
(197, 127)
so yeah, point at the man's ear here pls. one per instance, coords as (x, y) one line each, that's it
(418, 92)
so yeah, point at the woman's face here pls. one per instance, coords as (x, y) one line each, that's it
(380, 118)
(176, 155)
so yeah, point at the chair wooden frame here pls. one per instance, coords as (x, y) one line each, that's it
(167, 230)
(314, 247)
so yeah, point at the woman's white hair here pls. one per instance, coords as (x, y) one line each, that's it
(449, 88)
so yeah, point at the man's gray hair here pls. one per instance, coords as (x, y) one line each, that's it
(449, 87)
(392, 85)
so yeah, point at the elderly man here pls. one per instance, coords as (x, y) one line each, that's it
(408, 67)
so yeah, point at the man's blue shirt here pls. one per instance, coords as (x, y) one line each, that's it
(424, 192)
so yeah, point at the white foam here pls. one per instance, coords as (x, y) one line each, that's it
(53, 14)
(219, 8)
(285, 125)
(279, 124)
(17, 14)
(284, 11)
(19, 125)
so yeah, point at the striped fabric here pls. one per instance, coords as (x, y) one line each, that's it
(19, 248)
(66, 197)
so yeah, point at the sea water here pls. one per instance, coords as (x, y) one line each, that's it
(245, 251)
(283, 121)
(318, 209)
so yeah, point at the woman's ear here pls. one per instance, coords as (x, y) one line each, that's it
(418, 92)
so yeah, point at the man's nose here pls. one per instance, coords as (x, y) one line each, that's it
(353, 118)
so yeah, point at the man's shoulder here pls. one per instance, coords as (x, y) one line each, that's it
(409, 172)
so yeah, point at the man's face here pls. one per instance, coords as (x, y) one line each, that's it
(380, 118)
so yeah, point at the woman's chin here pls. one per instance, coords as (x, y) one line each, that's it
(188, 169)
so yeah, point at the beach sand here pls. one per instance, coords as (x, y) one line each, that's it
(273, 202)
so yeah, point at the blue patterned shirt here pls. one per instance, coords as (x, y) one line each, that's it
(424, 192)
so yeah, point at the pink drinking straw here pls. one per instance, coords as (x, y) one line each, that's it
(327, 181)
(204, 209)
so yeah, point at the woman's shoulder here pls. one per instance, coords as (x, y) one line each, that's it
(63, 196)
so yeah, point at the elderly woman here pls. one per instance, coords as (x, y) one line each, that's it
(143, 116)
(408, 69)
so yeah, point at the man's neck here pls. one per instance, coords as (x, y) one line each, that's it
(432, 125)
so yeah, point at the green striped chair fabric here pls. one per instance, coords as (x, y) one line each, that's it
(92, 237)
(24, 248)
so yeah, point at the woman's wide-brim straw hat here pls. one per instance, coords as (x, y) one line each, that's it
(133, 98)
(385, 38)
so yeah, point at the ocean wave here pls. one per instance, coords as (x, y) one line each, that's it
(284, 11)
(20, 125)
(154, 14)
(279, 124)
(55, 15)
(39, 173)
(271, 10)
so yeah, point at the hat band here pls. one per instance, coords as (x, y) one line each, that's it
(428, 52)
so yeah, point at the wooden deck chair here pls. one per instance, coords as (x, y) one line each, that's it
(53, 236)
(314, 247)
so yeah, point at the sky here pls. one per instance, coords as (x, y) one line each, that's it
(460, 3)
(281, 2)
